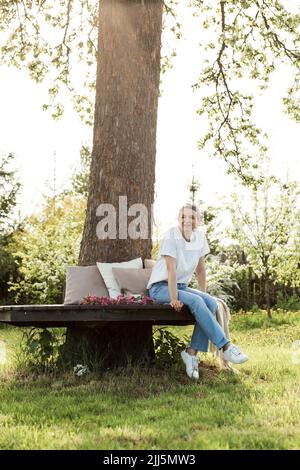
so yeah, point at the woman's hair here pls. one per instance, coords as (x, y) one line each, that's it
(194, 208)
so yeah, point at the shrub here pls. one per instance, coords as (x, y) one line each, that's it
(40, 349)
(167, 346)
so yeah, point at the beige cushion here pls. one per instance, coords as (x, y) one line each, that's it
(108, 277)
(132, 281)
(82, 281)
(149, 263)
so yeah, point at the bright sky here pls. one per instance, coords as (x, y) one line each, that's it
(34, 137)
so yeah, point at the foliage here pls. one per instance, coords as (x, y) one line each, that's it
(9, 187)
(57, 44)
(167, 346)
(212, 222)
(244, 43)
(288, 262)
(269, 231)
(171, 30)
(50, 40)
(155, 249)
(40, 349)
(80, 179)
(8, 268)
(291, 303)
(47, 243)
(193, 188)
(220, 279)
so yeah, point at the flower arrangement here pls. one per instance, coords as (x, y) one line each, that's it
(121, 299)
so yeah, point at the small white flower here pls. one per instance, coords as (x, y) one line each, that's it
(80, 370)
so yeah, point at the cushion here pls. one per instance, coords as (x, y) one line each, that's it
(131, 280)
(108, 277)
(82, 281)
(149, 263)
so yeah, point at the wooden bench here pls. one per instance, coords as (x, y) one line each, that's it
(112, 333)
(92, 315)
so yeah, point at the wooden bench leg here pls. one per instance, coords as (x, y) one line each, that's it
(110, 345)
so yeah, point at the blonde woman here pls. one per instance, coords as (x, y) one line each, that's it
(182, 252)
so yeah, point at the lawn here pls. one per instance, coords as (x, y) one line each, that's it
(160, 408)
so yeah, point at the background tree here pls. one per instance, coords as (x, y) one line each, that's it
(193, 188)
(9, 187)
(244, 42)
(80, 178)
(42, 247)
(210, 216)
(267, 231)
(288, 268)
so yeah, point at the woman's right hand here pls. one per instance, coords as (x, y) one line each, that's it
(176, 304)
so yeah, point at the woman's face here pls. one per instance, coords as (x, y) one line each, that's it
(188, 219)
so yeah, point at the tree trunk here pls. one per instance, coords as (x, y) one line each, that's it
(109, 346)
(267, 296)
(124, 148)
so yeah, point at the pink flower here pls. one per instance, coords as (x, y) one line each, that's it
(121, 299)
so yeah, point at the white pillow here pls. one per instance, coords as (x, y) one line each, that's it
(108, 277)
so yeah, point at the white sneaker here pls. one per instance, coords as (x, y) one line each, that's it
(235, 355)
(191, 365)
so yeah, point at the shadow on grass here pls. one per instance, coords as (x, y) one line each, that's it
(145, 407)
(166, 400)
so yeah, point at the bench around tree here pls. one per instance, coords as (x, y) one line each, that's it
(111, 334)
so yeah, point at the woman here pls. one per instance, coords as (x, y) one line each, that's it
(182, 252)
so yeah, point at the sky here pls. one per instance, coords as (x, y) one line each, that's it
(41, 144)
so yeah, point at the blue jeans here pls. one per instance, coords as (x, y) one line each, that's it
(202, 306)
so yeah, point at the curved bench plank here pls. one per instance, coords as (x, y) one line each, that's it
(92, 315)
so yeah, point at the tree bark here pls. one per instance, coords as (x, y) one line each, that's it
(267, 296)
(109, 346)
(124, 146)
(124, 150)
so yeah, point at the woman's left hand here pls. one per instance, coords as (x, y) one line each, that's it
(177, 305)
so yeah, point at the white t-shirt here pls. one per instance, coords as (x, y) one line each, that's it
(187, 255)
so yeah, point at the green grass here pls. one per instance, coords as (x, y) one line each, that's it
(259, 408)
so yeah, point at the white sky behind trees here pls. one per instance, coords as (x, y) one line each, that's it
(33, 136)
